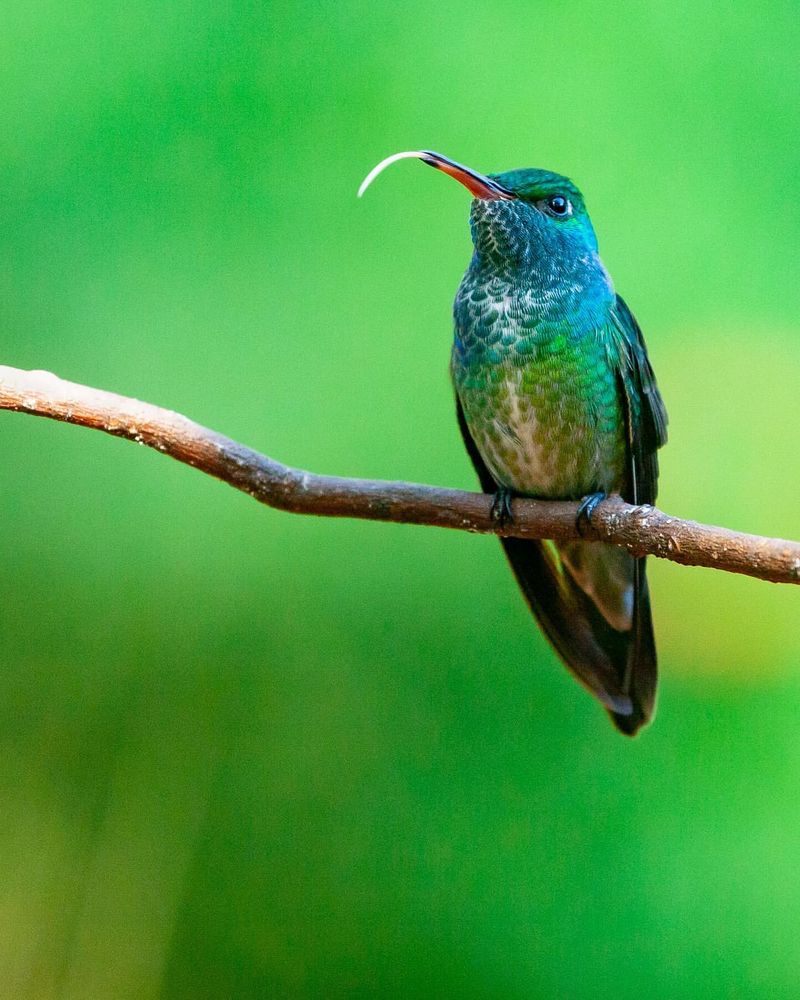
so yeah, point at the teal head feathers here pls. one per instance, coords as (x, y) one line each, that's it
(530, 225)
(543, 224)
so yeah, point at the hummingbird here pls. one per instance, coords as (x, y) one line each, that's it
(556, 399)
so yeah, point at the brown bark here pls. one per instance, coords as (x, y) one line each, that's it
(641, 530)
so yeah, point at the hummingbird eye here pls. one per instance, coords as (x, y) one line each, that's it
(559, 206)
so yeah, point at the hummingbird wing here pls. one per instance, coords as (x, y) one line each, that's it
(618, 666)
(645, 413)
(646, 430)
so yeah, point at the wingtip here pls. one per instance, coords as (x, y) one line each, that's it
(617, 704)
(630, 723)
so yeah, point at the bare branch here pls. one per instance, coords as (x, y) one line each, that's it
(641, 530)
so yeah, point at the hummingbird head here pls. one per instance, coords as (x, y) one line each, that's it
(543, 225)
(528, 218)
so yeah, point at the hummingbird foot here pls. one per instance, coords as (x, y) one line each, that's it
(501, 507)
(583, 519)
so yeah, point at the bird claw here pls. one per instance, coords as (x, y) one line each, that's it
(501, 512)
(587, 507)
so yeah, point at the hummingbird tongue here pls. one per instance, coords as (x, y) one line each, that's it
(477, 184)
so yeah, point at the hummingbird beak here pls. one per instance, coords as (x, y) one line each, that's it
(479, 185)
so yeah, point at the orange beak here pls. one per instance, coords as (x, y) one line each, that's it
(479, 185)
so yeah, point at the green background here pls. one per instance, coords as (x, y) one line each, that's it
(246, 754)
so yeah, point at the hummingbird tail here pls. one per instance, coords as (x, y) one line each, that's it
(618, 666)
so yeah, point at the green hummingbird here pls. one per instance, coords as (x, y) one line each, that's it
(556, 399)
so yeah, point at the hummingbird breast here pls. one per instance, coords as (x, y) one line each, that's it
(538, 392)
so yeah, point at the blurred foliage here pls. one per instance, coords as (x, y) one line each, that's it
(245, 754)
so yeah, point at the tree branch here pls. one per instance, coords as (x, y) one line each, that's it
(641, 530)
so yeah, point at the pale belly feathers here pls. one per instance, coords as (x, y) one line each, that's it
(547, 436)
